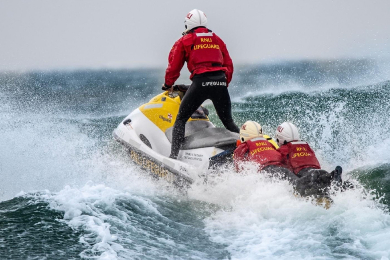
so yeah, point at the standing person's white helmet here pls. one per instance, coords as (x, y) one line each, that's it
(286, 132)
(195, 18)
(250, 130)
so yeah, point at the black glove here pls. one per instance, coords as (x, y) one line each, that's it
(165, 87)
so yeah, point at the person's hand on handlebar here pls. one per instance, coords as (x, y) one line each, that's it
(166, 87)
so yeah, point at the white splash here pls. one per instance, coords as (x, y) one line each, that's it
(262, 219)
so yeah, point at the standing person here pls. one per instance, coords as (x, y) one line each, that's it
(211, 69)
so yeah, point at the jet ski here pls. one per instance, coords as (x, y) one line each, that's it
(147, 134)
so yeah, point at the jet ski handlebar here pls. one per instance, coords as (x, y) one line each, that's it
(181, 87)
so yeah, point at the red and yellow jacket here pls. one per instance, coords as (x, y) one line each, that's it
(258, 150)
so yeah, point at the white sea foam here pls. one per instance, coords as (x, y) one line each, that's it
(93, 210)
(262, 219)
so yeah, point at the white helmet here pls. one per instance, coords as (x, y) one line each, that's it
(249, 130)
(195, 18)
(286, 132)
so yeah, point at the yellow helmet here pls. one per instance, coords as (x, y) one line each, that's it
(249, 130)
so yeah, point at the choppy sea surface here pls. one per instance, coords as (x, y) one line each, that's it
(69, 191)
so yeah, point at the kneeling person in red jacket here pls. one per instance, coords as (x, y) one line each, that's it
(211, 69)
(300, 158)
(260, 149)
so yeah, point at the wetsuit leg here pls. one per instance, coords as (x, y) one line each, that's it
(281, 172)
(193, 98)
(210, 85)
(223, 106)
(313, 182)
(319, 175)
(220, 97)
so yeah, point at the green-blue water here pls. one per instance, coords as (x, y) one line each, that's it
(69, 191)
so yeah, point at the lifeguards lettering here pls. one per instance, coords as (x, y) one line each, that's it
(301, 154)
(206, 46)
(261, 149)
(263, 152)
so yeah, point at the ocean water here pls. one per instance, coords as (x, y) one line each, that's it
(69, 191)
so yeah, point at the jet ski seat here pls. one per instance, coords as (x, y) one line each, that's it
(191, 128)
(210, 137)
(199, 134)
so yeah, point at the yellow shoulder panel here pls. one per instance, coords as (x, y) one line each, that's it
(271, 141)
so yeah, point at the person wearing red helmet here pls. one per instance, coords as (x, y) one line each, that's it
(300, 158)
(211, 69)
(260, 149)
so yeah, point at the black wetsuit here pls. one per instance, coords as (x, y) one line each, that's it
(281, 172)
(209, 85)
(313, 182)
